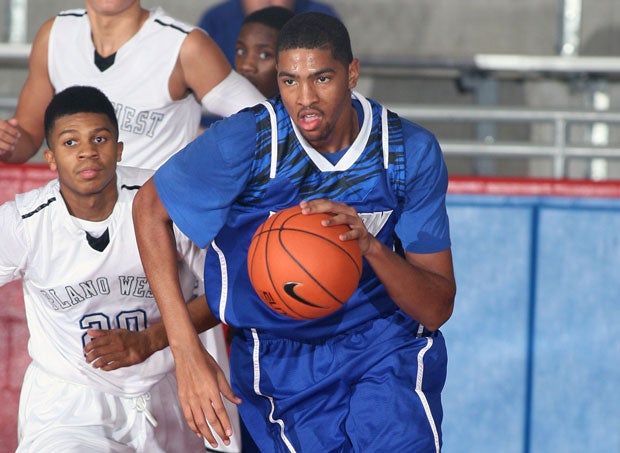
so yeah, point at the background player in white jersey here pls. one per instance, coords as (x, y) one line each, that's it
(156, 70)
(73, 245)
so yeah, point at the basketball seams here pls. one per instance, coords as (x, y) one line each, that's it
(276, 288)
(339, 245)
(305, 269)
(283, 258)
(318, 236)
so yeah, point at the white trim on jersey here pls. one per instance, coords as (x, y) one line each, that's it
(274, 138)
(353, 153)
(257, 390)
(385, 138)
(422, 396)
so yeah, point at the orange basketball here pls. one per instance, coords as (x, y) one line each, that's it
(301, 268)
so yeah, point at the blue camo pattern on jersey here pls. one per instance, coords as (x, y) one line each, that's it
(366, 185)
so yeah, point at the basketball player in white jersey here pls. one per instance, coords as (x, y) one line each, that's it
(73, 245)
(156, 70)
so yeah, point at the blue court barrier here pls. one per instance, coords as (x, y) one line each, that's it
(534, 340)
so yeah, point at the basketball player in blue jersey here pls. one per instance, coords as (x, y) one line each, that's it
(72, 243)
(369, 376)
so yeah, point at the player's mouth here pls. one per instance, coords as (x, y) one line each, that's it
(309, 120)
(89, 173)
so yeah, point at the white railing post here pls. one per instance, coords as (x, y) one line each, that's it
(18, 21)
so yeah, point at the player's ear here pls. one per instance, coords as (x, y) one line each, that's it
(354, 73)
(50, 158)
(119, 151)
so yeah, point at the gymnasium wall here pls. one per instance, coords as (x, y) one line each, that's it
(534, 350)
(533, 345)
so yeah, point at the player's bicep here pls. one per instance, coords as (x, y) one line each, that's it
(203, 63)
(37, 91)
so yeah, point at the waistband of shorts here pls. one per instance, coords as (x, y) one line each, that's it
(397, 317)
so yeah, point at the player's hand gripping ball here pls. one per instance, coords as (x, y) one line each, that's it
(301, 268)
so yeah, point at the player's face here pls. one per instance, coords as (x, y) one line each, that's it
(255, 57)
(316, 91)
(84, 150)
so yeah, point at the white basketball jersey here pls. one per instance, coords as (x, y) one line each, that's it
(108, 289)
(152, 125)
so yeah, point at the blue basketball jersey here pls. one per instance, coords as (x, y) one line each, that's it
(279, 171)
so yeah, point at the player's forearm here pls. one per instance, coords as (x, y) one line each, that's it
(425, 295)
(157, 247)
(200, 315)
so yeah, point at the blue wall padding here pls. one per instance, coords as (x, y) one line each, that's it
(534, 341)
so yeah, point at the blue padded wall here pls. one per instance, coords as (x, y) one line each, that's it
(534, 341)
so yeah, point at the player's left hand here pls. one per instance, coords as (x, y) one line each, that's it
(343, 215)
(116, 348)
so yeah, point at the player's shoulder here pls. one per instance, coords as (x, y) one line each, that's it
(414, 133)
(132, 177)
(162, 19)
(36, 200)
(235, 127)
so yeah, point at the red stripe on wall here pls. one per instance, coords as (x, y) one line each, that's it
(533, 187)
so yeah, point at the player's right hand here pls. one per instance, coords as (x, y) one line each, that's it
(201, 385)
(9, 136)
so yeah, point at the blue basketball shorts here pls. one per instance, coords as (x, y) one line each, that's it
(374, 388)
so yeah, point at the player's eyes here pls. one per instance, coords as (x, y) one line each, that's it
(288, 82)
(70, 142)
(265, 55)
(240, 52)
(323, 79)
(100, 139)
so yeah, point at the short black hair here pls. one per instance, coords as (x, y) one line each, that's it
(78, 99)
(272, 16)
(316, 31)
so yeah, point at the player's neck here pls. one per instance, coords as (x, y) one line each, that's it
(342, 136)
(110, 32)
(94, 207)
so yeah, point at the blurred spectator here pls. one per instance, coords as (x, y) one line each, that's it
(223, 23)
(255, 56)
(223, 20)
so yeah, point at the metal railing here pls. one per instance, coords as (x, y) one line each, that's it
(559, 151)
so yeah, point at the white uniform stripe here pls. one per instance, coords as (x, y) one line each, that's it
(385, 137)
(418, 390)
(224, 281)
(274, 138)
(256, 363)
